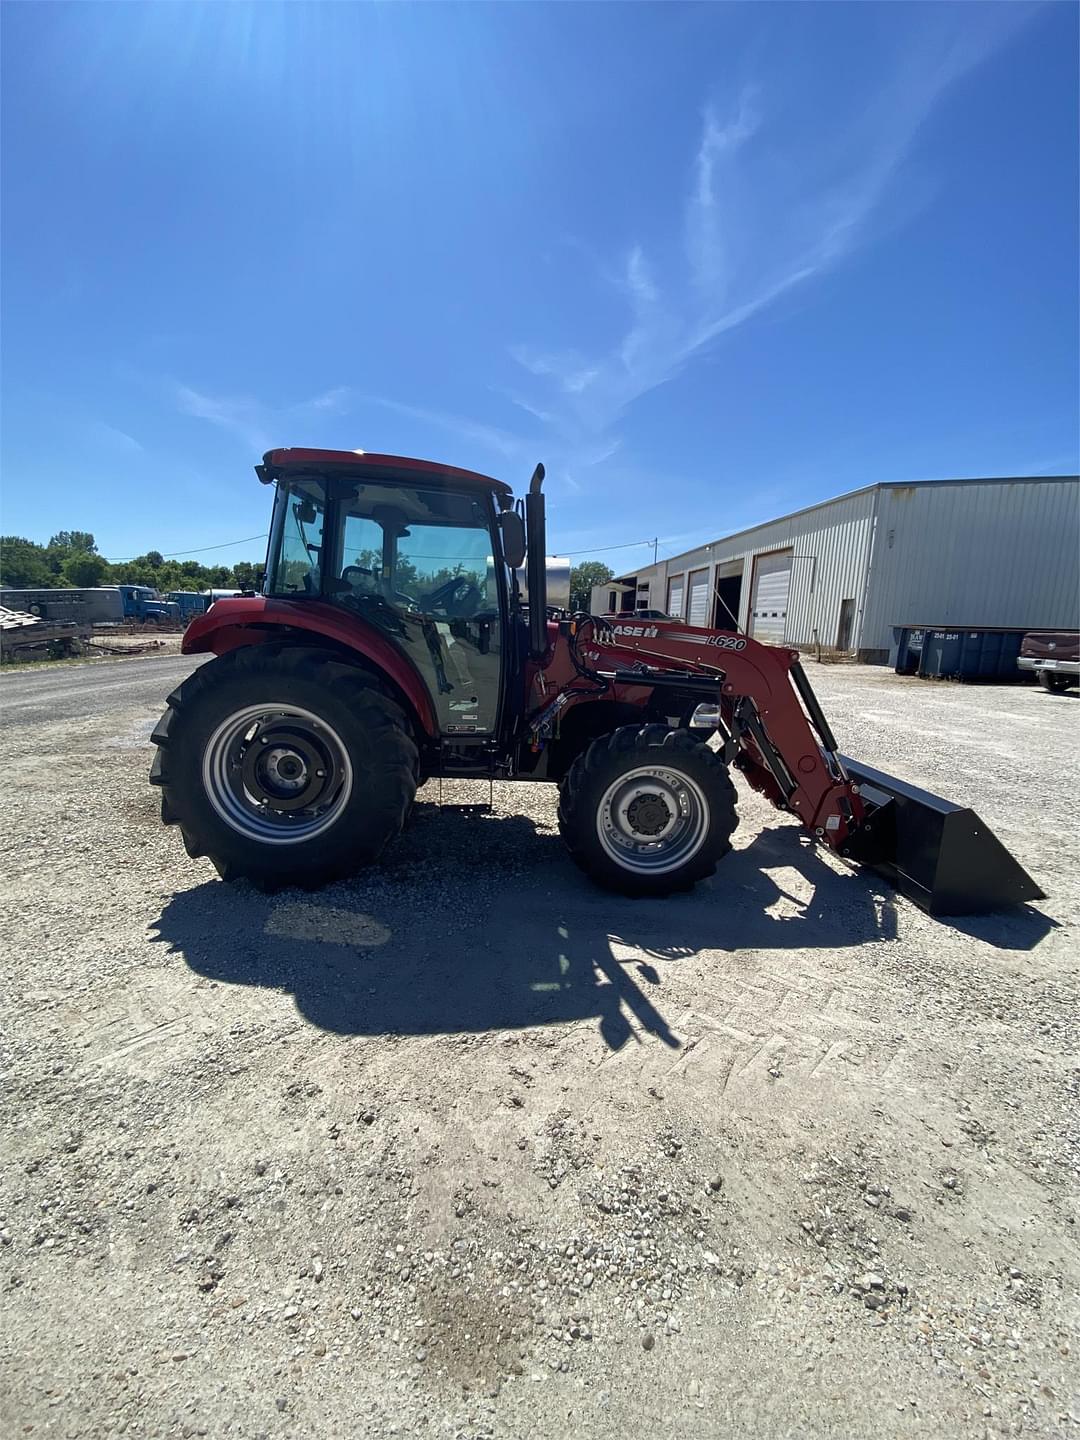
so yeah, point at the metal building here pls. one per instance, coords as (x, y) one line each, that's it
(846, 573)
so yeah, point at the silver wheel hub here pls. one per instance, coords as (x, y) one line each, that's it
(285, 769)
(653, 819)
(277, 774)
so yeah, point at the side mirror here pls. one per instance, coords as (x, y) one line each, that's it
(512, 531)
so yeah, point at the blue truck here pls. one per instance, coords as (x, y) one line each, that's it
(191, 603)
(144, 603)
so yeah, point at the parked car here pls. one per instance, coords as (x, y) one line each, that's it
(1054, 656)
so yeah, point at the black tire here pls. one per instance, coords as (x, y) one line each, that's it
(1053, 682)
(321, 718)
(591, 801)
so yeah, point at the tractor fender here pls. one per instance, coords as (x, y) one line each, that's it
(255, 619)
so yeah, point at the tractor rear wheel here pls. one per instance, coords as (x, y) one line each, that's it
(647, 810)
(284, 765)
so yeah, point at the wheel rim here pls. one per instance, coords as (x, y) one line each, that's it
(277, 774)
(653, 820)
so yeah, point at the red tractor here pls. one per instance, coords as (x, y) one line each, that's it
(394, 640)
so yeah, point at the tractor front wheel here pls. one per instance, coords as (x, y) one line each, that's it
(284, 765)
(647, 810)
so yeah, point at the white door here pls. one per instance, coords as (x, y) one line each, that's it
(697, 610)
(675, 596)
(768, 608)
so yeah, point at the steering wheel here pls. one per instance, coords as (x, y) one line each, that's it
(365, 584)
(459, 596)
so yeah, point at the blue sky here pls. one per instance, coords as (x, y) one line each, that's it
(710, 263)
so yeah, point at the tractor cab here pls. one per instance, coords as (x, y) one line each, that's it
(424, 554)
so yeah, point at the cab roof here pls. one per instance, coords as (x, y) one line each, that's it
(278, 464)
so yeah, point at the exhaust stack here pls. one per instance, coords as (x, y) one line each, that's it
(536, 565)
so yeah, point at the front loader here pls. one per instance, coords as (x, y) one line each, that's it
(398, 637)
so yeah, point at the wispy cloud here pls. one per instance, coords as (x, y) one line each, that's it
(501, 441)
(706, 231)
(544, 416)
(246, 419)
(336, 401)
(764, 211)
(255, 423)
(569, 370)
(114, 439)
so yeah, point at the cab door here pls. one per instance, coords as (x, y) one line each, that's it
(421, 565)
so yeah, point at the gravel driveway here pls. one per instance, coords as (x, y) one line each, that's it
(466, 1147)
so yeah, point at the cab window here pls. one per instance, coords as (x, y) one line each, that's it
(419, 552)
(296, 564)
(419, 564)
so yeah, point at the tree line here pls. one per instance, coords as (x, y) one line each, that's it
(71, 558)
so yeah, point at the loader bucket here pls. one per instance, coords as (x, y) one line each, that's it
(936, 853)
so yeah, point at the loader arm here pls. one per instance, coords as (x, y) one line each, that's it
(939, 854)
(770, 736)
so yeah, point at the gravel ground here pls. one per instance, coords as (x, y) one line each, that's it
(465, 1147)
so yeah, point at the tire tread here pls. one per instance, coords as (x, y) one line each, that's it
(386, 734)
(622, 749)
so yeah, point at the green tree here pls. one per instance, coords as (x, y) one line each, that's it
(74, 540)
(24, 565)
(582, 579)
(84, 568)
(245, 574)
(133, 572)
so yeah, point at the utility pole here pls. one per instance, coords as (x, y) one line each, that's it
(654, 544)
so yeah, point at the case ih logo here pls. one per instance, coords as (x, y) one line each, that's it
(648, 632)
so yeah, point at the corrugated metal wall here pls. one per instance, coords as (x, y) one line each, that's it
(978, 553)
(830, 545)
(986, 553)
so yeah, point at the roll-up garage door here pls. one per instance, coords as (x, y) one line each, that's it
(675, 596)
(697, 610)
(768, 610)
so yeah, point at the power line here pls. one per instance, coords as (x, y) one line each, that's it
(172, 554)
(202, 549)
(598, 549)
(247, 539)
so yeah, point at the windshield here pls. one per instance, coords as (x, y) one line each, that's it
(296, 541)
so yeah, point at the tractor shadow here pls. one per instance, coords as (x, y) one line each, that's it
(483, 923)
